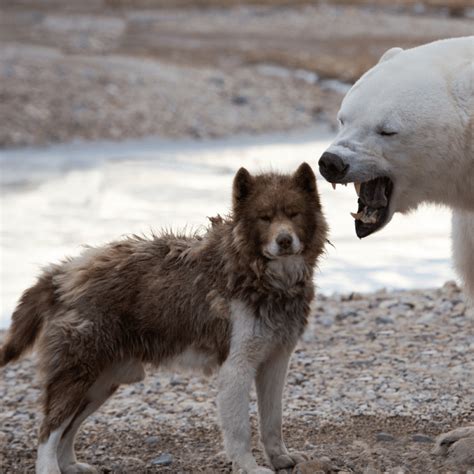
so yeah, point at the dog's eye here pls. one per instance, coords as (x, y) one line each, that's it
(293, 215)
(265, 218)
(386, 133)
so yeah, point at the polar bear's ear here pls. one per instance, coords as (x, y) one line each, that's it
(389, 54)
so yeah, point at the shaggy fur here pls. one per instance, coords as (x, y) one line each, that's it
(236, 298)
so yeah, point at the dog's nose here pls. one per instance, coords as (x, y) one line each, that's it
(332, 167)
(284, 240)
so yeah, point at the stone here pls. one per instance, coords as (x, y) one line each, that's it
(164, 459)
(385, 437)
(315, 466)
(422, 438)
(152, 440)
(240, 100)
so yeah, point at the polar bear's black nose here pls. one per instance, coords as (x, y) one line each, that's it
(332, 167)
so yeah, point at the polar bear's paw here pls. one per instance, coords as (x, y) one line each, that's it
(287, 460)
(457, 446)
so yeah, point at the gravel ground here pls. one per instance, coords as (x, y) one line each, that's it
(375, 379)
(126, 68)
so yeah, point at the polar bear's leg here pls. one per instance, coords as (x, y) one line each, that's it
(458, 445)
(463, 249)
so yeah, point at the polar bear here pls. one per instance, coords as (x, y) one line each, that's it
(406, 137)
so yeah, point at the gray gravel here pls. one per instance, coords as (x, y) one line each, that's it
(373, 382)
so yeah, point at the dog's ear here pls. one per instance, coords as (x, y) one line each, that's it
(304, 178)
(242, 185)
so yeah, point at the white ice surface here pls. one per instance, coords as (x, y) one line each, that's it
(55, 199)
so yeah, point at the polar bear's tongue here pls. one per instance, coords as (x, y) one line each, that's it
(373, 203)
(373, 193)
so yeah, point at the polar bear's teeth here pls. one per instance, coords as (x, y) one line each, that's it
(366, 216)
(333, 185)
(357, 188)
(369, 217)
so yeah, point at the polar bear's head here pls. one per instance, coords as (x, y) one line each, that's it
(401, 129)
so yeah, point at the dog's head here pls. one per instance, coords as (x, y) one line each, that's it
(278, 215)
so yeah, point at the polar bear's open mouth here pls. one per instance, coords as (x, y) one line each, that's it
(374, 201)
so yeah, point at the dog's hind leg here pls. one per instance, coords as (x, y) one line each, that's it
(47, 460)
(62, 399)
(66, 454)
(105, 385)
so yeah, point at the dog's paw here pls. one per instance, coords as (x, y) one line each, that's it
(79, 467)
(250, 469)
(287, 460)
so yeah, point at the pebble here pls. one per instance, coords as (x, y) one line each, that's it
(421, 438)
(152, 440)
(165, 459)
(386, 437)
(240, 100)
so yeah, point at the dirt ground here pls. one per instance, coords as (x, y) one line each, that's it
(129, 68)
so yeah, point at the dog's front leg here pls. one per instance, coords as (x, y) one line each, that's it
(270, 380)
(235, 380)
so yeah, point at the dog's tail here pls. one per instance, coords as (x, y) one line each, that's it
(28, 318)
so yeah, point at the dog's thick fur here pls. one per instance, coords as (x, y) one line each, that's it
(425, 98)
(236, 299)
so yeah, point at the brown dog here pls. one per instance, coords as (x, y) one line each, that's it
(236, 298)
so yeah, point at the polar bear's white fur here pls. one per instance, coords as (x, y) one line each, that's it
(424, 99)
(411, 119)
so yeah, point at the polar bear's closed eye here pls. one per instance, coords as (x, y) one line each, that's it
(386, 132)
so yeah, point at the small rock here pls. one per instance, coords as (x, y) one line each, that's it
(388, 303)
(299, 378)
(128, 464)
(315, 466)
(371, 470)
(165, 459)
(346, 314)
(240, 100)
(152, 440)
(383, 320)
(396, 470)
(421, 438)
(386, 437)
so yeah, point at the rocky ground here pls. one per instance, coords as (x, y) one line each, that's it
(373, 382)
(377, 377)
(117, 69)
